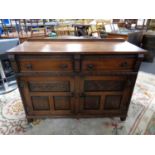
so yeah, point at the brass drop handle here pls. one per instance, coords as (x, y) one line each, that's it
(72, 94)
(124, 64)
(63, 66)
(90, 67)
(29, 66)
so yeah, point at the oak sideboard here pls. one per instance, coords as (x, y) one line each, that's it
(76, 78)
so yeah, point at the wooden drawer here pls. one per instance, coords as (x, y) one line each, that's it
(105, 63)
(44, 63)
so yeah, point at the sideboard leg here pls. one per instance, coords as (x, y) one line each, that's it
(123, 118)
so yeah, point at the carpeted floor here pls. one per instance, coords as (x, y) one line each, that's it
(140, 120)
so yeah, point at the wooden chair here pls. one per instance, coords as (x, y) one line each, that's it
(63, 29)
(96, 28)
(38, 32)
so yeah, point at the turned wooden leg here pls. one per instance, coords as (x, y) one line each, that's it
(123, 118)
(30, 120)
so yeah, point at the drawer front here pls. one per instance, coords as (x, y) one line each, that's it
(90, 63)
(40, 64)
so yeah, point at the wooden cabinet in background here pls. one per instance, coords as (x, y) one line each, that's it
(78, 78)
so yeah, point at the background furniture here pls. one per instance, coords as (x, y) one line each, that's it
(148, 42)
(151, 24)
(28, 28)
(134, 37)
(81, 29)
(76, 78)
(7, 78)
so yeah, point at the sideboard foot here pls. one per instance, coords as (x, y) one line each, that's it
(123, 118)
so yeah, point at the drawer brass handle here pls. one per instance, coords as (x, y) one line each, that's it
(63, 66)
(72, 94)
(29, 66)
(124, 64)
(90, 67)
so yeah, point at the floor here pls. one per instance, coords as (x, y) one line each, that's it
(141, 113)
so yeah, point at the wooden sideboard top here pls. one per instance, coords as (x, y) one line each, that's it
(82, 47)
(125, 32)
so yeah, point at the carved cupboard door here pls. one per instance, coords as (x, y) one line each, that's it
(48, 95)
(104, 94)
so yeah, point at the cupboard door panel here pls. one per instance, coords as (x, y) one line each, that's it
(49, 86)
(62, 102)
(112, 102)
(103, 85)
(40, 103)
(91, 102)
(45, 96)
(104, 94)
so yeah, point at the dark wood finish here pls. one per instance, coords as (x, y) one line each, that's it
(75, 38)
(47, 95)
(105, 63)
(106, 93)
(45, 63)
(77, 78)
(117, 35)
(78, 46)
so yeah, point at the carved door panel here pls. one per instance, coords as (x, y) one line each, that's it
(48, 95)
(105, 94)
